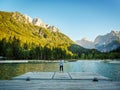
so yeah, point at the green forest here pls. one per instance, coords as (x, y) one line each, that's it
(14, 50)
(20, 39)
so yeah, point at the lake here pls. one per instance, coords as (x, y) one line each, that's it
(110, 70)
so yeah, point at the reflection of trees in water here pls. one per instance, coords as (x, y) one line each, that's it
(7, 71)
(20, 69)
(41, 67)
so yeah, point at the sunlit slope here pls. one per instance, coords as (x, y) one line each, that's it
(15, 24)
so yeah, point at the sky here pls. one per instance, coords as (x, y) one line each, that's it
(75, 18)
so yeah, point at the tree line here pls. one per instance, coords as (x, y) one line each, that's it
(82, 53)
(13, 49)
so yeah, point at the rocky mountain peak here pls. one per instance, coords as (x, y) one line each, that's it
(84, 42)
(52, 28)
(103, 43)
(28, 18)
(35, 21)
(38, 22)
(84, 39)
(108, 38)
(21, 17)
(115, 32)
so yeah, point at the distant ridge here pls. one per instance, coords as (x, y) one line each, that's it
(103, 43)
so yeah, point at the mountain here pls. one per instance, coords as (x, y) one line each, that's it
(108, 38)
(108, 47)
(30, 30)
(103, 43)
(108, 42)
(38, 22)
(29, 34)
(85, 43)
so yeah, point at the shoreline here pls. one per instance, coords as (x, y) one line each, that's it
(56, 61)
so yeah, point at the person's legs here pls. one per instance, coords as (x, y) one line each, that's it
(62, 68)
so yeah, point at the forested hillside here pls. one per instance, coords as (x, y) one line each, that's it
(17, 31)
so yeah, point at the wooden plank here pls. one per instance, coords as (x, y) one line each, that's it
(61, 75)
(35, 76)
(87, 76)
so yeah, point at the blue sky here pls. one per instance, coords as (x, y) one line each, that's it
(75, 18)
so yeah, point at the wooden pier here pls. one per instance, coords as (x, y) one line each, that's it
(60, 76)
(59, 81)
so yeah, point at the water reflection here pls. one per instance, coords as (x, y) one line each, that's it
(111, 70)
(10, 70)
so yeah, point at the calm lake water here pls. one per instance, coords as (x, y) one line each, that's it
(111, 70)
